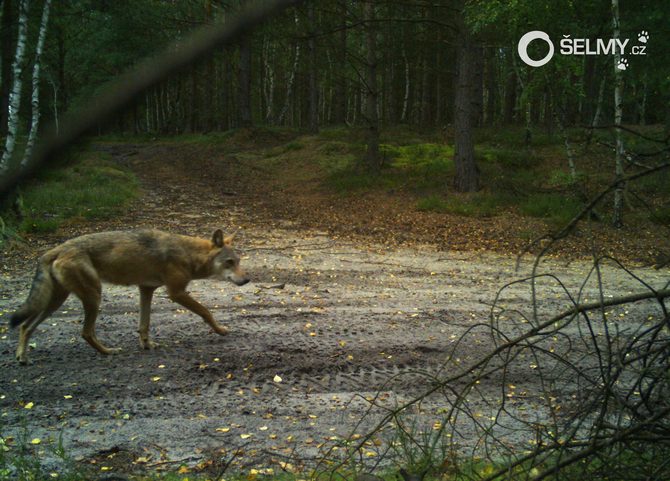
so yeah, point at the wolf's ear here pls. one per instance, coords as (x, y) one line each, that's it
(228, 240)
(217, 238)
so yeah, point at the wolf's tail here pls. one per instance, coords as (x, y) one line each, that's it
(40, 294)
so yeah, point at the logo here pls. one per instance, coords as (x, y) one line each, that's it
(583, 46)
(522, 48)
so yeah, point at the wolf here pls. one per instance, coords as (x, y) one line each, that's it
(146, 258)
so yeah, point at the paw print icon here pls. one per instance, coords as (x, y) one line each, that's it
(623, 64)
(643, 37)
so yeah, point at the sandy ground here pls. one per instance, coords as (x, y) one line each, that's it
(324, 327)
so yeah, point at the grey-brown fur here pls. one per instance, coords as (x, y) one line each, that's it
(146, 258)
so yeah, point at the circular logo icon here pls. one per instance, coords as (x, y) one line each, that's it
(523, 48)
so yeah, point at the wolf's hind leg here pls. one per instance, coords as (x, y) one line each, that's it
(28, 327)
(78, 275)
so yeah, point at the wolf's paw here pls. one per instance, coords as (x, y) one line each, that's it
(220, 330)
(112, 350)
(148, 344)
(23, 360)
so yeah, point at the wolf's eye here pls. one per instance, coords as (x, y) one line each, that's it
(229, 263)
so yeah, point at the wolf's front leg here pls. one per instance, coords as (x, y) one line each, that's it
(182, 297)
(146, 294)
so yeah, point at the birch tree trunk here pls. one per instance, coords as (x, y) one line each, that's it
(15, 94)
(35, 102)
(617, 217)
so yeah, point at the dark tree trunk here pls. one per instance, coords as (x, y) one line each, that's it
(340, 96)
(467, 174)
(7, 52)
(477, 85)
(62, 87)
(244, 83)
(591, 81)
(424, 115)
(372, 158)
(491, 88)
(510, 97)
(226, 92)
(208, 103)
(193, 106)
(313, 83)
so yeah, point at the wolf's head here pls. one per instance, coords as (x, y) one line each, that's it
(226, 263)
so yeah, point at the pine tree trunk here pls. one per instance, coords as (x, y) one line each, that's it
(35, 101)
(226, 92)
(244, 83)
(424, 111)
(62, 86)
(268, 81)
(405, 100)
(372, 158)
(599, 104)
(7, 49)
(193, 102)
(467, 174)
(617, 217)
(491, 88)
(15, 94)
(313, 83)
(340, 101)
(209, 104)
(510, 97)
(291, 80)
(477, 86)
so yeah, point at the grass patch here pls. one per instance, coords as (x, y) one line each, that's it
(513, 158)
(557, 209)
(656, 183)
(661, 215)
(466, 205)
(92, 187)
(561, 178)
(352, 180)
(293, 145)
(20, 458)
(515, 136)
(419, 167)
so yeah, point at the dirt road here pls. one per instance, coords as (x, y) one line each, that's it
(324, 327)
